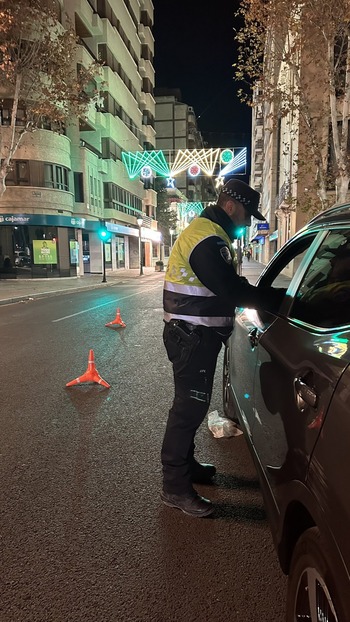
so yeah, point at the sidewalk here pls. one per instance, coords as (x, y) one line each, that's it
(252, 270)
(18, 290)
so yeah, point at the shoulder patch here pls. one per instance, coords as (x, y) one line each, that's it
(225, 254)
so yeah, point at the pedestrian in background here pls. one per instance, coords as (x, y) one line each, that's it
(201, 291)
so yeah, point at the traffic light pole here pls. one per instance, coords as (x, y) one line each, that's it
(104, 280)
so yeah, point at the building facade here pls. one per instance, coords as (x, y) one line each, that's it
(176, 130)
(62, 186)
(292, 143)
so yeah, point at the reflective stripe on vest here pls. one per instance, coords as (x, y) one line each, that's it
(200, 320)
(188, 289)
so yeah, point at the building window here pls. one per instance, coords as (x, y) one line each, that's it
(19, 174)
(56, 176)
(78, 188)
(110, 150)
(120, 199)
(22, 173)
(48, 176)
(5, 116)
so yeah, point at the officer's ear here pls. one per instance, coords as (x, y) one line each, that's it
(229, 207)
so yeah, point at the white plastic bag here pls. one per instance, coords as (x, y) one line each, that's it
(221, 426)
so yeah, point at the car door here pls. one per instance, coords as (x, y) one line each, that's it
(242, 353)
(300, 358)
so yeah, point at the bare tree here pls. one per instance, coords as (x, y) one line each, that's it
(166, 216)
(298, 53)
(38, 73)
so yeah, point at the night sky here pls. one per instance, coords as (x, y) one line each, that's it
(194, 51)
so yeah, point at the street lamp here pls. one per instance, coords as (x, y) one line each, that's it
(240, 247)
(139, 222)
(171, 231)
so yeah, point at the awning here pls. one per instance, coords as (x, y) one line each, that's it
(258, 239)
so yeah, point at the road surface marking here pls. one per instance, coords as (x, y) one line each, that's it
(112, 302)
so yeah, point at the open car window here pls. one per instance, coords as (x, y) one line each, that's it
(323, 297)
(281, 271)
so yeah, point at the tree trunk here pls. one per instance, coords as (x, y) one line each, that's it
(8, 150)
(339, 134)
(342, 186)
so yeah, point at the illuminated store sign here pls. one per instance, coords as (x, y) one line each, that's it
(42, 219)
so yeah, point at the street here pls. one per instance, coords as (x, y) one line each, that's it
(84, 536)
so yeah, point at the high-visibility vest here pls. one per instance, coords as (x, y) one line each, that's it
(185, 297)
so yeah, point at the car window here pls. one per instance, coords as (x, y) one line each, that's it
(323, 297)
(282, 270)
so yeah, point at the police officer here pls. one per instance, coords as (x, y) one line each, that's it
(201, 291)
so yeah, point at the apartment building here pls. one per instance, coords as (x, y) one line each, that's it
(62, 186)
(177, 129)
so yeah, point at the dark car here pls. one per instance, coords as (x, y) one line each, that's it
(287, 383)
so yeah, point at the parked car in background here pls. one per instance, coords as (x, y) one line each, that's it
(287, 382)
(22, 259)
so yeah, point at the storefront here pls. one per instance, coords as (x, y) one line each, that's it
(40, 245)
(43, 246)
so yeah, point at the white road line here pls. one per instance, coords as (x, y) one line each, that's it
(112, 302)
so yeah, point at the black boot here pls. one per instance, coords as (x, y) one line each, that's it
(189, 503)
(202, 473)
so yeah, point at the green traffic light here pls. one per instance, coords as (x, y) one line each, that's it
(240, 232)
(104, 234)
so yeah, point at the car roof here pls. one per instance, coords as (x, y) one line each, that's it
(338, 214)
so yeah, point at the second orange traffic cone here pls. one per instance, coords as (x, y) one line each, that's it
(91, 374)
(117, 322)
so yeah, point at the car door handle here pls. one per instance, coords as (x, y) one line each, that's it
(253, 337)
(305, 395)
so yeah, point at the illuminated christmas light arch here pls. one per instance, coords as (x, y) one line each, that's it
(238, 162)
(208, 160)
(226, 156)
(134, 162)
(185, 208)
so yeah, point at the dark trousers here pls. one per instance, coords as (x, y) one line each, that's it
(193, 353)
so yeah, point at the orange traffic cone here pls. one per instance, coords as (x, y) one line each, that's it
(118, 321)
(91, 374)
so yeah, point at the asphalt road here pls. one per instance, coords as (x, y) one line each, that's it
(83, 534)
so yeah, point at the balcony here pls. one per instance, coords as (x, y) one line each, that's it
(146, 70)
(146, 36)
(87, 22)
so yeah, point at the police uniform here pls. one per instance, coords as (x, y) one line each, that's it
(201, 292)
